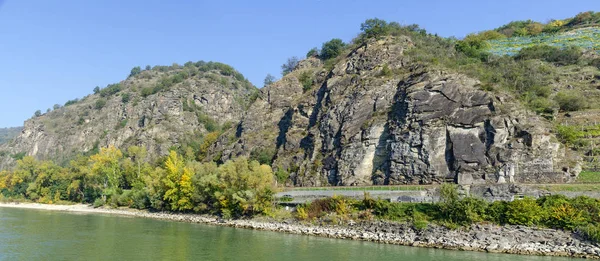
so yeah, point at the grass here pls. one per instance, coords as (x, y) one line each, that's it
(585, 38)
(589, 177)
(369, 188)
(569, 187)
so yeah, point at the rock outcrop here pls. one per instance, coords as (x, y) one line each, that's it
(378, 118)
(371, 116)
(157, 121)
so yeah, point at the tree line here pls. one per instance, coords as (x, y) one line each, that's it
(239, 187)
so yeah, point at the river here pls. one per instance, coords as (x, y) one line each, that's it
(27, 234)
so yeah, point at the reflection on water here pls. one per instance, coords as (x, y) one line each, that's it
(46, 235)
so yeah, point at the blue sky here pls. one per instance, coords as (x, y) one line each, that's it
(54, 51)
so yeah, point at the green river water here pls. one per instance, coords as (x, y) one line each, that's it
(48, 235)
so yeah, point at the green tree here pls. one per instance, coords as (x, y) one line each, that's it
(332, 49)
(373, 28)
(38, 113)
(106, 165)
(269, 79)
(96, 89)
(289, 65)
(314, 52)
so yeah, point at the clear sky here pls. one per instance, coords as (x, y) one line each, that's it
(54, 51)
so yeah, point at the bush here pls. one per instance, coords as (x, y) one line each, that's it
(332, 49)
(110, 90)
(559, 213)
(262, 155)
(465, 211)
(590, 232)
(290, 65)
(147, 91)
(568, 134)
(99, 202)
(524, 211)
(569, 101)
(552, 54)
(306, 80)
(373, 28)
(314, 52)
(71, 102)
(496, 212)
(125, 97)
(472, 46)
(135, 71)
(542, 105)
(100, 103)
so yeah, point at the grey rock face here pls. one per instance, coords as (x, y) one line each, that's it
(157, 121)
(373, 117)
(359, 125)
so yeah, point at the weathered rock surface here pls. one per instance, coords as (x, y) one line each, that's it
(378, 118)
(373, 116)
(157, 121)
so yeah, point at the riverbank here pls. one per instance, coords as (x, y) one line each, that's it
(484, 238)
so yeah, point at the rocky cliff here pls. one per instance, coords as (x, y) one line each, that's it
(374, 115)
(377, 117)
(158, 108)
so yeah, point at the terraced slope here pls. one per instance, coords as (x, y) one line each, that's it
(586, 38)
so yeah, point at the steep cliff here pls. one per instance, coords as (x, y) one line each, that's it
(158, 108)
(377, 117)
(373, 115)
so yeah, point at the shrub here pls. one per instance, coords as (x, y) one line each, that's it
(262, 155)
(99, 202)
(559, 213)
(125, 97)
(542, 105)
(290, 65)
(552, 54)
(71, 102)
(465, 211)
(332, 49)
(306, 80)
(135, 71)
(147, 91)
(569, 101)
(100, 103)
(524, 211)
(385, 71)
(472, 46)
(312, 53)
(568, 134)
(590, 232)
(373, 28)
(110, 90)
(496, 212)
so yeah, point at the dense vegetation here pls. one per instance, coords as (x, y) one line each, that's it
(581, 214)
(236, 188)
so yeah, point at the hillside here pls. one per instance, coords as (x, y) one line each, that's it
(7, 134)
(394, 106)
(158, 108)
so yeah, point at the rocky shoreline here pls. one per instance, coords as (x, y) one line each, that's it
(483, 237)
